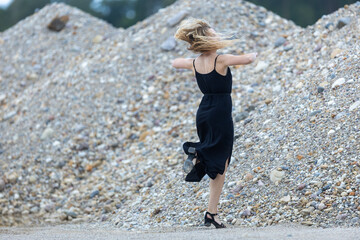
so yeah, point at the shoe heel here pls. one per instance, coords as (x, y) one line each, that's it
(188, 164)
(192, 150)
(207, 224)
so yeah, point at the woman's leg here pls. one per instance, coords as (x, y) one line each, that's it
(216, 186)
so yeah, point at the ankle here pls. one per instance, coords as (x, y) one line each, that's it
(212, 211)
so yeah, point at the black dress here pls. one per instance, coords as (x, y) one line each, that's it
(214, 122)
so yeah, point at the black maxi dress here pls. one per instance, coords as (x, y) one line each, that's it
(214, 123)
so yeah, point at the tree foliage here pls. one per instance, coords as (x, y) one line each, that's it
(124, 13)
(302, 12)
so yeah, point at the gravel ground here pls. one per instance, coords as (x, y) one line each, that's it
(87, 231)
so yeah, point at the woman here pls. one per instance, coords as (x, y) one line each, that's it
(214, 122)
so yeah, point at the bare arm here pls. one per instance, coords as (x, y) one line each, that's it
(182, 63)
(244, 59)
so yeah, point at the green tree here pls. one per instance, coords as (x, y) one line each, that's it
(18, 10)
(302, 12)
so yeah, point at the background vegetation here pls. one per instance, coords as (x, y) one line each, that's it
(124, 13)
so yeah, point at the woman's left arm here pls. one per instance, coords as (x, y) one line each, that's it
(185, 63)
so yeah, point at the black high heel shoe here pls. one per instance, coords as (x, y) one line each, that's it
(188, 164)
(209, 221)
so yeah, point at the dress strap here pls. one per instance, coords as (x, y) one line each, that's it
(194, 63)
(215, 61)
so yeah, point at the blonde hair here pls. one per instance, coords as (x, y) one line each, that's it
(196, 32)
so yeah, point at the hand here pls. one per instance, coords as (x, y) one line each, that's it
(253, 56)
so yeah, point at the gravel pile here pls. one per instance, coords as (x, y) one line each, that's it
(93, 118)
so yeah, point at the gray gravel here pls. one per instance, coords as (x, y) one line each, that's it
(87, 231)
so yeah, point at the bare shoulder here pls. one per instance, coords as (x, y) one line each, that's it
(185, 63)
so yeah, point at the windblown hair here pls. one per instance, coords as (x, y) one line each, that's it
(196, 32)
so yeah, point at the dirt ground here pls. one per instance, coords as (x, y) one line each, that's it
(92, 231)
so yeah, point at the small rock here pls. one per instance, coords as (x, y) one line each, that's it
(32, 179)
(169, 44)
(50, 207)
(307, 211)
(332, 76)
(260, 183)
(71, 214)
(285, 199)
(241, 116)
(32, 76)
(63, 216)
(48, 132)
(58, 23)
(341, 216)
(9, 115)
(177, 18)
(354, 106)
(301, 186)
(329, 26)
(2, 185)
(307, 223)
(268, 101)
(331, 132)
(247, 121)
(83, 146)
(261, 66)
(336, 52)
(245, 213)
(230, 184)
(280, 41)
(276, 175)
(34, 209)
(321, 206)
(2, 98)
(338, 82)
(248, 177)
(149, 183)
(94, 193)
(277, 88)
(248, 143)
(250, 108)
(78, 127)
(324, 84)
(238, 188)
(354, 220)
(343, 22)
(12, 177)
(320, 89)
(313, 113)
(299, 85)
(324, 166)
(318, 48)
(288, 48)
(340, 115)
(98, 39)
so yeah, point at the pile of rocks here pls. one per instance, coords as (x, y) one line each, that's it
(93, 119)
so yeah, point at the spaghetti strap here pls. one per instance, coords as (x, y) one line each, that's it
(215, 61)
(194, 63)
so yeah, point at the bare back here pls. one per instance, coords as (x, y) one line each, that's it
(206, 64)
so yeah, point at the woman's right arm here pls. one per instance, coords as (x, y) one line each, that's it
(244, 59)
